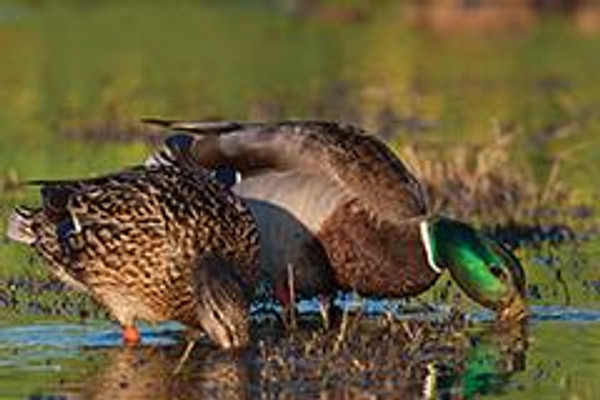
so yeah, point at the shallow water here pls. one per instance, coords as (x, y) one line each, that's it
(555, 357)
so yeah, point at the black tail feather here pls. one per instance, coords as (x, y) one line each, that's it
(200, 127)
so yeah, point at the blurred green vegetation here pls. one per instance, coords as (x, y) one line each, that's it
(77, 75)
(68, 66)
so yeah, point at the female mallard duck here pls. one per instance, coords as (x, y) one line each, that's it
(341, 209)
(159, 242)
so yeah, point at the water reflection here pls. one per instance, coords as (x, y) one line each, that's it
(370, 363)
(149, 373)
(488, 366)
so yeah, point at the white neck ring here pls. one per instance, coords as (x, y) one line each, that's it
(426, 239)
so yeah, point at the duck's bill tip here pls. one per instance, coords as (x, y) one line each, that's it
(516, 311)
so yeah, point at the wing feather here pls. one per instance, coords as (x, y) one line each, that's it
(359, 164)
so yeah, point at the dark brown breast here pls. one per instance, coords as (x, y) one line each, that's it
(376, 257)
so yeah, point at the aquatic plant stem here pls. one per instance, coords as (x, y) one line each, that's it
(343, 327)
(184, 356)
(292, 293)
(324, 309)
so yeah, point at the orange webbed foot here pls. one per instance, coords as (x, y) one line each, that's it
(131, 336)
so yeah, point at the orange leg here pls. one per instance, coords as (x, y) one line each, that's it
(285, 298)
(131, 336)
(282, 294)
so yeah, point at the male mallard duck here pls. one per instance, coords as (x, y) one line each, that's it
(160, 242)
(342, 209)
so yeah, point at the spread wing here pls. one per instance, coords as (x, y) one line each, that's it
(318, 157)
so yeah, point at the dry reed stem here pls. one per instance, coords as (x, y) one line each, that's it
(292, 289)
(482, 182)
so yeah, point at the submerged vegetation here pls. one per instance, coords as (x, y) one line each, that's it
(380, 359)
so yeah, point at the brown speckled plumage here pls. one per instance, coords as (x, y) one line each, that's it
(162, 242)
(342, 188)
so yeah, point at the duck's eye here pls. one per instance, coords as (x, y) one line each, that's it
(498, 272)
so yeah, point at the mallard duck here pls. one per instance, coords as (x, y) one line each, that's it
(155, 243)
(344, 211)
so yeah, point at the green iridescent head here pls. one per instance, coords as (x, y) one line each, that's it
(485, 270)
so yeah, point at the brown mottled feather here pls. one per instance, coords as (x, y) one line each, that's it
(134, 239)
